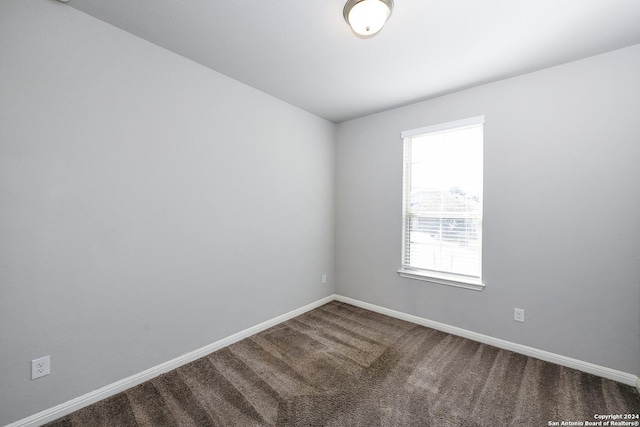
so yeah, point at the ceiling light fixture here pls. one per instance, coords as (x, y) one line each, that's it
(367, 17)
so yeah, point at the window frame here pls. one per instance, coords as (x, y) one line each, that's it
(443, 278)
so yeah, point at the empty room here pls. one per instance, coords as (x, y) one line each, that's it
(319, 213)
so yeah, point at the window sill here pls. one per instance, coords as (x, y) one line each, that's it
(443, 279)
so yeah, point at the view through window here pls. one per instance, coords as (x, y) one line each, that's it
(442, 201)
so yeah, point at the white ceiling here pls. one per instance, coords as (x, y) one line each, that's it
(302, 51)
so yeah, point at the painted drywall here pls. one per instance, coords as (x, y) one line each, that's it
(149, 206)
(561, 210)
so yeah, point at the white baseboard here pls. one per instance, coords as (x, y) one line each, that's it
(112, 389)
(558, 359)
(124, 384)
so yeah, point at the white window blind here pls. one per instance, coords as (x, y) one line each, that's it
(442, 203)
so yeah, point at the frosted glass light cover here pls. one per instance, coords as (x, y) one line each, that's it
(368, 17)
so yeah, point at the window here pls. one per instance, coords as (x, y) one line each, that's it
(442, 203)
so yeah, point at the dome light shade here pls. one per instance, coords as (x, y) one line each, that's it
(367, 17)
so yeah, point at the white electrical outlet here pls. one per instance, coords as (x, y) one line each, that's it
(518, 314)
(40, 367)
(324, 278)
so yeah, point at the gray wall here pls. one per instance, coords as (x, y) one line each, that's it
(562, 210)
(149, 206)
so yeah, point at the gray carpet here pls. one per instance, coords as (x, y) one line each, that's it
(340, 365)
